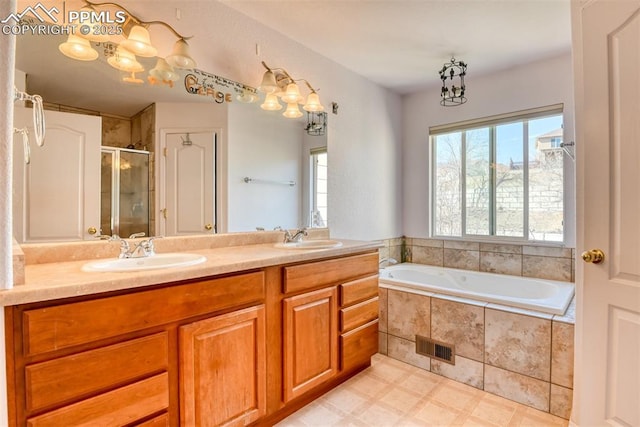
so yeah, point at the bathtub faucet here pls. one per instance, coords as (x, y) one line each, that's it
(389, 261)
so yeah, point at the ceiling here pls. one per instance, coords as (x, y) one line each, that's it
(401, 44)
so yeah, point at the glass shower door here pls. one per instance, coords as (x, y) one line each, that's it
(125, 191)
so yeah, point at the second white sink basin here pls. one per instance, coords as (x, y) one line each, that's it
(310, 244)
(147, 263)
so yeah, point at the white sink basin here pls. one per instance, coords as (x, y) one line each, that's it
(310, 244)
(146, 263)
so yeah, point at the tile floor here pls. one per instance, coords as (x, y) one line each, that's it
(393, 393)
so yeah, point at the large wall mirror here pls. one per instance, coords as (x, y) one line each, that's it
(154, 159)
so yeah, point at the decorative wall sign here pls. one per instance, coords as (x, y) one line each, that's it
(221, 89)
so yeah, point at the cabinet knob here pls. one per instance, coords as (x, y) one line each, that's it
(92, 230)
(208, 227)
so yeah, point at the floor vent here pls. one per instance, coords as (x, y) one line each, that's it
(436, 349)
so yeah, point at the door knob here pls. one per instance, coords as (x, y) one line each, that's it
(92, 230)
(208, 227)
(594, 256)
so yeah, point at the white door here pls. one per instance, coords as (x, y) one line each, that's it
(190, 183)
(607, 370)
(57, 195)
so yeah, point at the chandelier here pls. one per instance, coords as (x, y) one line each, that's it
(452, 94)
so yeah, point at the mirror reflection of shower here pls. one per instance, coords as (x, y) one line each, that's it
(124, 201)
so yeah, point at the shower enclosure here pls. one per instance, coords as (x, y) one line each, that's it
(124, 201)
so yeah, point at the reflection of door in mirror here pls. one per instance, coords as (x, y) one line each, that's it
(124, 200)
(190, 183)
(56, 195)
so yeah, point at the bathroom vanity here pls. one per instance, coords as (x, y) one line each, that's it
(247, 337)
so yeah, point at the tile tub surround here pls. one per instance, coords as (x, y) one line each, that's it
(536, 261)
(517, 354)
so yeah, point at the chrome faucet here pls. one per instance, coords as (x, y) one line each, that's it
(389, 261)
(143, 249)
(295, 237)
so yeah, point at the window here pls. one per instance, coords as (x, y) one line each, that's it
(500, 178)
(318, 187)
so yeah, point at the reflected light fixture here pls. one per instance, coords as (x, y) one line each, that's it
(180, 56)
(137, 42)
(453, 73)
(124, 60)
(292, 111)
(316, 123)
(277, 82)
(163, 71)
(78, 48)
(271, 103)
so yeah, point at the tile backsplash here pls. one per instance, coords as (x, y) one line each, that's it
(542, 262)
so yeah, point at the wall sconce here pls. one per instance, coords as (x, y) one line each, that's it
(137, 42)
(453, 95)
(277, 82)
(316, 123)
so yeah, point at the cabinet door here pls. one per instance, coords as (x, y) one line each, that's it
(223, 369)
(310, 347)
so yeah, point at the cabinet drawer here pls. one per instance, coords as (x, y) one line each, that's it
(316, 274)
(358, 315)
(66, 325)
(358, 290)
(66, 378)
(115, 408)
(359, 345)
(159, 421)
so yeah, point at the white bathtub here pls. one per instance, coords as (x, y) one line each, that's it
(548, 296)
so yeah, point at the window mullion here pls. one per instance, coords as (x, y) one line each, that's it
(492, 181)
(525, 179)
(463, 183)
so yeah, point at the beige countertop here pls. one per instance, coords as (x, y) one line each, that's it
(44, 280)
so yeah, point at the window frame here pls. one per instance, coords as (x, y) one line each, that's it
(491, 122)
(313, 175)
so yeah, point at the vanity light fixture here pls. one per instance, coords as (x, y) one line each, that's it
(452, 95)
(78, 48)
(137, 42)
(271, 103)
(292, 111)
(124, 60)
(163, 71)
(277, 82)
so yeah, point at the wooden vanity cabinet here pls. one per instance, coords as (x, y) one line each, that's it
(234, 350)
(312, 350)
(223, 369)
(172, 355)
